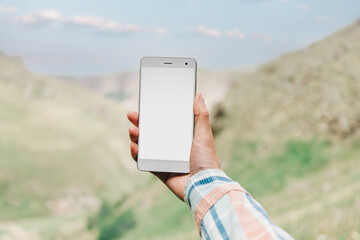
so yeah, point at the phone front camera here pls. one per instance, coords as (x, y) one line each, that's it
(186, 63)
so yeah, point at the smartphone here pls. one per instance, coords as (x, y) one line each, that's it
(167, 90)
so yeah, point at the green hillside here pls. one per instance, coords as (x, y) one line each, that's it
(290, 134)
(62, 150)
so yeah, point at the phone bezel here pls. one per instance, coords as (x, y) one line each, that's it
(155, 165)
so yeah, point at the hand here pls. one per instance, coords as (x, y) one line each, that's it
(202, 156)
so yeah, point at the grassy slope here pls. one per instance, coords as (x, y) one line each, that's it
(290, 136)
(58, 143)
(291, 133)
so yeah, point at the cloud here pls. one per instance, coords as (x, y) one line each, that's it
(160, 31)
(97, 23)
(47, 17)
(156, 30)
(9, 9)
(39, 17)
(263, 37)
(304, 7)
(235, 33)
(324, 19)
(212, 32)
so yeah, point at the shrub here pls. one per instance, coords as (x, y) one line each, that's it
(112, 221)
(117, 226)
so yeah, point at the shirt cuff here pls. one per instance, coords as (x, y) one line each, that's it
(205, 188)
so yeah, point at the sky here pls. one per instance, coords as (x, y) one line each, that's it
(93, 37)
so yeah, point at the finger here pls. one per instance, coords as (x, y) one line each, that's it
(133, 118)
(134, 134)
(134, 150)
(202, 117)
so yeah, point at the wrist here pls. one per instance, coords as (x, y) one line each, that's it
(199, 166)
(201, 169)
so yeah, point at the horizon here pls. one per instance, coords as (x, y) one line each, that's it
(112, 38)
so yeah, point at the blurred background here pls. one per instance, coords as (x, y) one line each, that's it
(281, 79)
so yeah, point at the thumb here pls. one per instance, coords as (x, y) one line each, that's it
(202, 119)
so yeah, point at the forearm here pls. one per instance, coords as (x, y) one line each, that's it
(222, 209)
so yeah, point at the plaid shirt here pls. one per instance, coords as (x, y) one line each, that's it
(222, 209)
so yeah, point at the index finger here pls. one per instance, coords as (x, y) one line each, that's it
(133, 118)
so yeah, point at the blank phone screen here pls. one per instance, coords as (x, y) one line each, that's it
(166, 113)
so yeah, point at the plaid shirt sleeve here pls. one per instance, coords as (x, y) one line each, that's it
(222, 209)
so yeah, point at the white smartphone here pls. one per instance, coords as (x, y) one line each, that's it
(166, 117)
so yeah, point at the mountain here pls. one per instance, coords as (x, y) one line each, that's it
(290, 134)
(123, 86)
(62, 150)
(318, 87)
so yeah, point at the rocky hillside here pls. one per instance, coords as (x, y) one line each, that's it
(290, 134)
(312, 92)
